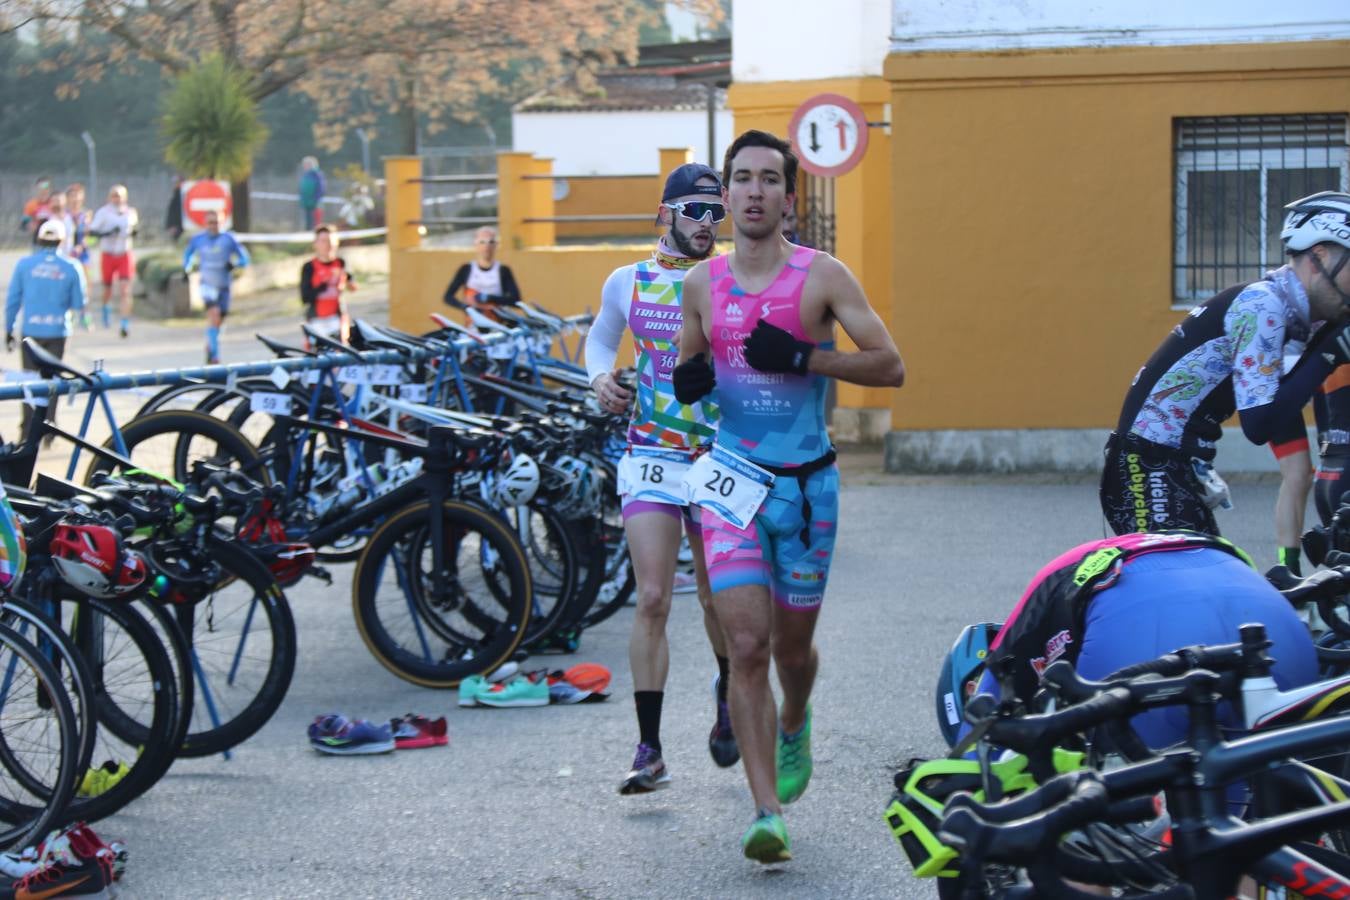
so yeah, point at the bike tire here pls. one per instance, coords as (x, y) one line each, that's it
(25, 819)
(489, 614)
(237, 690)
(169, 441)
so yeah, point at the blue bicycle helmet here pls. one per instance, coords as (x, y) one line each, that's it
(960, 675)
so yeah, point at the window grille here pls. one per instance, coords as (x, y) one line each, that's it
(1234, 174)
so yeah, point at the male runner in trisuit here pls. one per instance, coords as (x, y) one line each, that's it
(644, 298)
(217, 253)
(766, 313)
(1228, 355)
(115, 224)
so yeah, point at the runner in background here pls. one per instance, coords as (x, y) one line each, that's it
(323, 280)
(115, 225)
(218, 254)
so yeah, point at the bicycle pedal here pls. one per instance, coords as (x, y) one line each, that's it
(320, 573)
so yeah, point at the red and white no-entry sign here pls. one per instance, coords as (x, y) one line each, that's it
(202, 197)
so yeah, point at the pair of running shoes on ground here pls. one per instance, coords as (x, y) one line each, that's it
(766, 840)
(71, 862)
(336, 735)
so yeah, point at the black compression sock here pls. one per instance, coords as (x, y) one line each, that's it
(649, 717)
(723, 676)
(1289, 557)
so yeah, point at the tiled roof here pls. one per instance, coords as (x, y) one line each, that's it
(627, 91)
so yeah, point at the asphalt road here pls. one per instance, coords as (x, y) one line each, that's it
(522, 803)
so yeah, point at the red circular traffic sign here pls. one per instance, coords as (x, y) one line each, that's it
(202, 197)
(828, 134)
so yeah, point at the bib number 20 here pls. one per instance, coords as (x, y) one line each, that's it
(721, 483)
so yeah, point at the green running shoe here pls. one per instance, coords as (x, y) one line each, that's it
(469, 689)
(766, 841)
(97, 782)
(794, 761)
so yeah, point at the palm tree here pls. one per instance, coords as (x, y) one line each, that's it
(211, 128)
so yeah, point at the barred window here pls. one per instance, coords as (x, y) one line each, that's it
(1234, 174)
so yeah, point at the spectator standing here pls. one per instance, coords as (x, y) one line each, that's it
(485, 281)
(311, 192)
(218, 254)
(48, 289)
(323, 279)
(115, 224)
(173, 216)
(35, 210)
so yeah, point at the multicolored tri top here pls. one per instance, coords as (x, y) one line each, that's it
(644, 298)
(769, 418)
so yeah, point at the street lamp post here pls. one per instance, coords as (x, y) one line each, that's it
(365, 149)
(93, 162)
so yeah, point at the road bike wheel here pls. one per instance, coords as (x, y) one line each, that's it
(473, 626)
(552, 554)
(619, 580)
(135, 701)
(37, 737)
(243, 649)
(58, 647)
(169, 442)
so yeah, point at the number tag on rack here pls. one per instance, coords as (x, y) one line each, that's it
(386, 374)
(732, 487)
(354, 375)
(268, 402)
(655, 475)
(413, 393)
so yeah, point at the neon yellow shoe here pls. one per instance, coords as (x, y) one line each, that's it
(766, 841)
(794, 761)
(99, 781)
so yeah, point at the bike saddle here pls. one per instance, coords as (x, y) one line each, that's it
(283, 350)
(452, 326)
(48, 366)
(367, 337)
(327, 343)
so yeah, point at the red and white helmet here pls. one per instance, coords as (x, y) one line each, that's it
(92, 559)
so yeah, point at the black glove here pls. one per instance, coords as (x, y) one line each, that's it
(9, 342)
(1335, 346)
(771, 349)
(693, 379)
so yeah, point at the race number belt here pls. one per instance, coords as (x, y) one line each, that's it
(732, 487)
(654, 474)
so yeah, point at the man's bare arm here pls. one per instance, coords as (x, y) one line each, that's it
(876, 362)
(694, 301)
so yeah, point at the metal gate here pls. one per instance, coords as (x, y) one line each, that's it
(817, 212)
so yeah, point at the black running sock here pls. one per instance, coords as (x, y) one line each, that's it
(649, 717)
(1289, 556)
(723, 676)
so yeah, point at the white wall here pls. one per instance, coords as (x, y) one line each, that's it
(616, 143)
(776, 41)
(1001, 24)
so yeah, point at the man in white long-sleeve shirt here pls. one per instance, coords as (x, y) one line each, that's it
(663, 436)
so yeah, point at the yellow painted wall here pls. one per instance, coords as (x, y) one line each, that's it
(862, 196)
(618, 196)
(1032, 216)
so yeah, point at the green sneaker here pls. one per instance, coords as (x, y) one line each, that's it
(794, 761)
(766, 841)
(469, 689)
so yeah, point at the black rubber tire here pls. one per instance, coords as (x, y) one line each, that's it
(212, 635)
(498, 611)
(199, 436)
(25, 821)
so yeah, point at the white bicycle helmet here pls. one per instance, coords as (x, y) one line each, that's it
(1320, 218)
(518, 484)
(581, 495)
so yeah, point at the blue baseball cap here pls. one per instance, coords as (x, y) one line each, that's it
(683, 181)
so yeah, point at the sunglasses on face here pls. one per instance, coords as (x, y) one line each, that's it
(483, 243)
(698, 210)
